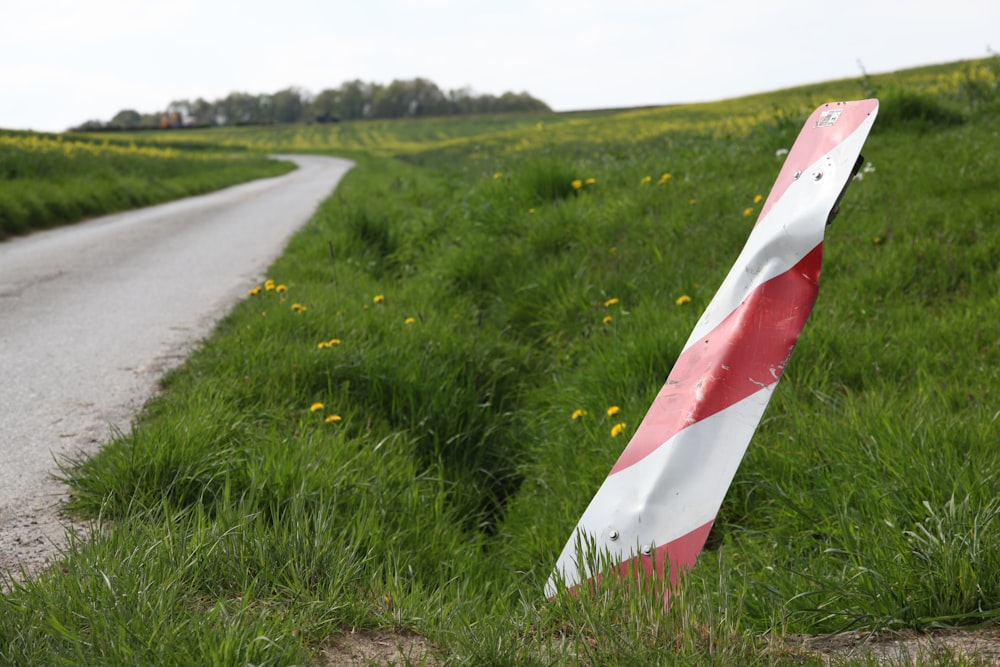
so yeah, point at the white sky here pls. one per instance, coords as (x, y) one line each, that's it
(63, 62)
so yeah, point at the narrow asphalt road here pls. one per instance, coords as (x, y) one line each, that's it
(92, 315)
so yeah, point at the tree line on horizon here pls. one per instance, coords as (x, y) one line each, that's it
(352, 100)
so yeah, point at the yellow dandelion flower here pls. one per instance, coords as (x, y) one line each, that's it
(617, 429)
(590, 181)
(578, 414)
(378, 298)
(332, 342)
(531, 211)
(497, 175)
(663, 179)
(316, 407)
(254, 292)
(281, 288)
(876, 240)
(409, 320)
(610, 302)
(332, 419)
(757, 199)
(322, 345)
(747, 211)
(577, 184)
(299, 308)
(269, 285)
(682, 299)
(645, 180)
(607, 319)
(613, 410)
(692, 201)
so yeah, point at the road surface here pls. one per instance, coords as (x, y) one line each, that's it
(92, 315)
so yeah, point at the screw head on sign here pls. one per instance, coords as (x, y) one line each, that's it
(613, 535)
(797, 174)
(647, 549)
(817, 175)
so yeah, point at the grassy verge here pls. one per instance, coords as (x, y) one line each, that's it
(50, 180)
(383, 439)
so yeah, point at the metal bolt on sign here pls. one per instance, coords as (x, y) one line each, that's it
(665, 490)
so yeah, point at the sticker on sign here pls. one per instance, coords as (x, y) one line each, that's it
(828, 118)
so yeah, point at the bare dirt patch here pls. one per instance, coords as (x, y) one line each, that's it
(972, 647)
(366, 648)
(978, 647)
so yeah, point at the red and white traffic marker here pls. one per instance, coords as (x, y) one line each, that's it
(655, 509)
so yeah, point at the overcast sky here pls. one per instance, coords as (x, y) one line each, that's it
(63, 62)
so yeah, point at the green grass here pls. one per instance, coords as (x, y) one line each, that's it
(48, 180)
(238, 526)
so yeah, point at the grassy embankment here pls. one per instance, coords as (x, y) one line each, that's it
(385, 441)
(49, 179)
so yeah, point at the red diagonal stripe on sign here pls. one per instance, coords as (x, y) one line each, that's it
(746, 352)
(666, 561)
(675, 556)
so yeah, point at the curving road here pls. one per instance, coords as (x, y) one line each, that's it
(92, 315)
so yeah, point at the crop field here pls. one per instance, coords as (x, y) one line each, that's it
(48, 180)
(390, 441)
(519, 133)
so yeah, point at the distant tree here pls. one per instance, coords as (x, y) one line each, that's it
(90, 126)
(427, 99)
(520, 102)
(179, 110)
(461, 100)
(126, 119)
(323, 107)
(351, 101)
(287, 106)
(483, 103)
(226, 110)
(240, 109)
(354, 99)
(203, 112)
(393, 101)
(265, 109)
(416, 97)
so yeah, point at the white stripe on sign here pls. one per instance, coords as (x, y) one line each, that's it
(785, 232)
(674, 489)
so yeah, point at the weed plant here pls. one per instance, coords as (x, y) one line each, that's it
(398, 432)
